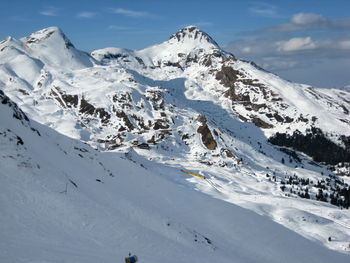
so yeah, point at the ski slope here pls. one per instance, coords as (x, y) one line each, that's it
(62, 201)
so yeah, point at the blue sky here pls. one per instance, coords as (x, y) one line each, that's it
(305, 41)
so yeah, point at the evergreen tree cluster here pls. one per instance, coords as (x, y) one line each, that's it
(315, 144)
(331, 190)
(292, 155)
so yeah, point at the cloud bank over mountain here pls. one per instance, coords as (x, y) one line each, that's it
(308, 42)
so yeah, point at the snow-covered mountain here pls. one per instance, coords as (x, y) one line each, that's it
(261, 142)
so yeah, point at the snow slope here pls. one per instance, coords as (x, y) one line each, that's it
(62, 201)
(199, 109)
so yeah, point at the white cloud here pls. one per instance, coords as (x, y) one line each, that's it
(246, 49)
(50, 11)
(345, 44)
(307, 19)
(296, 44)
(273, 63)
(131, 13)
(308, 48)
(320, 62)
(264, 9)
(284, 47)
(86, 14)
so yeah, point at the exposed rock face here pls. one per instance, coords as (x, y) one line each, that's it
(71, 100)
(89, 109)
(192, 32)
(234, 79)
(17, 112)
(207, 138)
(121, 114)
(160, 124)
(103, 115)
(228, 153)
(64, 99)
(227, 76)
(86, 107)
(262, 124)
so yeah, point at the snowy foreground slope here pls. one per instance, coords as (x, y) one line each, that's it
(133, 121)
(62, 201)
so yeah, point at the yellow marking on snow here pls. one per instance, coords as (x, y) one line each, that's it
(198, 175)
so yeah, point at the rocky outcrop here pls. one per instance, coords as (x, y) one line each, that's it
(86, 107)
(260, 123)
(17, 112)
(64, 99)
(227, 76)
(122, 115)
(89, 109)
(192, 32)
(207, 138)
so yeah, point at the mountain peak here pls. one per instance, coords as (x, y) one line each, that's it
(192, 33)
(52, 47)
(187, 45)
(48, 34)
